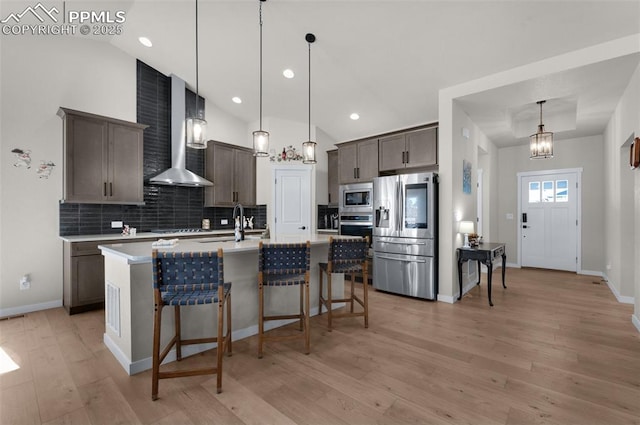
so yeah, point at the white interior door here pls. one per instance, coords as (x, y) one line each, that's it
(549, 220)
(292, 201)
(479, 203)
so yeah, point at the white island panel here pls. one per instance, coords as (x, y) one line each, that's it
(128, 268)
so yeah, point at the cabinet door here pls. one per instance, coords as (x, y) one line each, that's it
(220, 161)
(245, 177)
(125, 164)
(332, 177)
(87, 279)
(347, 163)
(392, 152)
(85, 154)
(422, 147)
(367, 160)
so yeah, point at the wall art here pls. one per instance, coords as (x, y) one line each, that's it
(466, 176)
(24, 158)
(288, 154)
(44, 169)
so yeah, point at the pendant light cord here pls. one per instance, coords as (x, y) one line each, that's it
(309, 91)
(197, 64)
(260, 65)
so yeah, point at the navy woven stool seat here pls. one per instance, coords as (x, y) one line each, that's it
(182, 279)
(346, 255)
(281, 264)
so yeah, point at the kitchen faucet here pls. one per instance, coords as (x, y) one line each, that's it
(239, 229)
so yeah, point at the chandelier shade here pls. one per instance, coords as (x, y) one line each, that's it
(541, 142)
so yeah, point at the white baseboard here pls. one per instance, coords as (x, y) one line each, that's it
(16, 311)
(621, 298)
(635, 321)
(590, 273)
(447, 298)
(513, 265)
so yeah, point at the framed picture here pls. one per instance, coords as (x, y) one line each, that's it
(466, 176)
(634, 153)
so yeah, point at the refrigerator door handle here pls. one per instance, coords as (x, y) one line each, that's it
(404, 243)
(384, 257)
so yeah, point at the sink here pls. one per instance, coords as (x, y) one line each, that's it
(228, 239)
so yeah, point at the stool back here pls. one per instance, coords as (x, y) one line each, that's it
(176, 272)
(347, 255)
(284, 258)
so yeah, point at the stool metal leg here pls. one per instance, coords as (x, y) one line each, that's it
(301, 308)
(229, 332)
(220, 342)
(307, 321)
(329, 300)
(320, 298)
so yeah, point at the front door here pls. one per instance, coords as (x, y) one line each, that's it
(292, 200)
(548, 220)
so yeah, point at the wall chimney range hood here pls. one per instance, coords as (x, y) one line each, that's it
(178, 175)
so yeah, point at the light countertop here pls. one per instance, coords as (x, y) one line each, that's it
(151, 235)
(140, 252)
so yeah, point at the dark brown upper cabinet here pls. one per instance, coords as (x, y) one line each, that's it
(102, 159)
(413, 149)
(232, 169)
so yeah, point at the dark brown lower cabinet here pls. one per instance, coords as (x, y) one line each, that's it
(83, 277)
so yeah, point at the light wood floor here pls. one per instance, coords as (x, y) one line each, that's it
(555, 349)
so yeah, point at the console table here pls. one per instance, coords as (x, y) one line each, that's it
(485, 253)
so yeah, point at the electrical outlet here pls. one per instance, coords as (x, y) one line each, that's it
(25, 283)
(224, 221)
(116, 225)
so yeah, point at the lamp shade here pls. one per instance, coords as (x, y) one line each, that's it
(196, 133)
(541, 143)
(309, 152)
(466, 227)
(260, 143)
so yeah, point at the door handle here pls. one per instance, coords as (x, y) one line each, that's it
(302, 228)
(384, 257)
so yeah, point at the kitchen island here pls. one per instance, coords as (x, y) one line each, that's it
(129, 295)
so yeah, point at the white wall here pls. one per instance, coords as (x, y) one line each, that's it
(622, 202)
(449, 156)
(586, 152)
(40, 74)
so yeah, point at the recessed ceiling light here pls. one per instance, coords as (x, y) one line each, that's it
(236, 99)
(145, 41)
(354, 116)
(288, 73)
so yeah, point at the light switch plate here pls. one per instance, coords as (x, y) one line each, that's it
(224, 221)
(116, 224)
(509, 216)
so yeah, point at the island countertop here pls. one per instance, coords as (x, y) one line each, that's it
(140, 252)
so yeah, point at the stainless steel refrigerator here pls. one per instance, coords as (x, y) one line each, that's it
(405, 234)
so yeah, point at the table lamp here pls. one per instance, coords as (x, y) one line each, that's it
(466, 227)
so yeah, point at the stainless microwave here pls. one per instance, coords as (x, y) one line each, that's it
(357, 197)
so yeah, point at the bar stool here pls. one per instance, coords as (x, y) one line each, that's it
(347, 256)
(183, 280)
(282, 264)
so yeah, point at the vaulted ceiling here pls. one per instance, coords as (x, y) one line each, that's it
(387, 60)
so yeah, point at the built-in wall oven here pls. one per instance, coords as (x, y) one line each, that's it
(405, 230)
(355, 209)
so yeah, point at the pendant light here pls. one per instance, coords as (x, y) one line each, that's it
(196, 126)
(309, 147)
(541, 143)
(261, 137)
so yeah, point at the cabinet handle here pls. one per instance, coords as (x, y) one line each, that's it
(407, 152)
(329, 198)
(354, 173)
(111, 188)
(403, 156)
(358, 173)
(104, 190)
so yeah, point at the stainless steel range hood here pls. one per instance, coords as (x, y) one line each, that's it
(178, 175)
